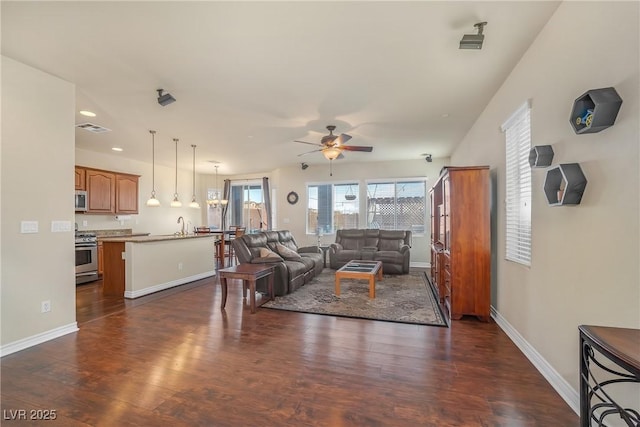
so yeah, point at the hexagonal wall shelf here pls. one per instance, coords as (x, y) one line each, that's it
(564, 184)
(595, 110)
(541, 156)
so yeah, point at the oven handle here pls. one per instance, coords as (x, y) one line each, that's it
(86, 245)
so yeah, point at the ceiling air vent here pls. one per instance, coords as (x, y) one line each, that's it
(93, 128)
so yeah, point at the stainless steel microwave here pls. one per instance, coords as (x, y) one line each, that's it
(81, 200)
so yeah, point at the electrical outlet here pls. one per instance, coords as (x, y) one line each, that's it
(45, 306)
(180, 266)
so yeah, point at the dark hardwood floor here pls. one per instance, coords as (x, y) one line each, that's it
(173, 358)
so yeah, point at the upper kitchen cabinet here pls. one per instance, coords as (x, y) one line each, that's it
(81, 183)
(126, 194)
(108, 192)
(101, 191)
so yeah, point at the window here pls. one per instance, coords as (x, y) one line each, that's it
(397, 205)
(517, 131)
(331, 207)
(246, 207)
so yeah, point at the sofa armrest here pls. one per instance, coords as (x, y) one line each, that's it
(309, 249)
(404, 249)
(335, 247)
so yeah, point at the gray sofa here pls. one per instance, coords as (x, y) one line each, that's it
(392, 247)
(294, 266)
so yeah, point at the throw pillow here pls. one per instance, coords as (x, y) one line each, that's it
(268, 253)
(287, 253)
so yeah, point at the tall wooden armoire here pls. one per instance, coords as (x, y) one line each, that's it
(461, 241)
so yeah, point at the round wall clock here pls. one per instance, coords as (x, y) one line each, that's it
(292, 198)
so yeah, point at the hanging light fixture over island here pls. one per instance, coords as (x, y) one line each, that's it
(153, 202)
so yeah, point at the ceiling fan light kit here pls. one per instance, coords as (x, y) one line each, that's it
(332, 146)
(473, 41)
(331, 153)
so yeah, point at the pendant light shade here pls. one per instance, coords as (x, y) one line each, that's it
(176, 203)
(153, 202)
(194, 203)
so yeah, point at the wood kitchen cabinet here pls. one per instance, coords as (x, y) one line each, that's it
(461, 241)
(101, 189)
(108, 192)
(126, 194)
(81, 183)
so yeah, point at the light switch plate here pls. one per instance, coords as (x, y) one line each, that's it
(28, 227)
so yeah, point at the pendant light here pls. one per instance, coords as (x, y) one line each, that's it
(216, 197)
(194, 203)
(175, 203)
(153, 202)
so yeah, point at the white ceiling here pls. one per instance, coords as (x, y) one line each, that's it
(251, 77)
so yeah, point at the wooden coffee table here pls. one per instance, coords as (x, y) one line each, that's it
(360, 270)
(247, 273)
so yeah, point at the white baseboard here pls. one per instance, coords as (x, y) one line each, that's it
(564, 389)
(167, 285)
(15, 346)
(420, 264)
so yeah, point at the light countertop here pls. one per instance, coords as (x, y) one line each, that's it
(154, 238)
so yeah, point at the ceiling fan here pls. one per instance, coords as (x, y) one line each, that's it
(333, 145)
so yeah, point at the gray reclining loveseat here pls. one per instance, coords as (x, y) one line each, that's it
(392, 247)
(294, 266)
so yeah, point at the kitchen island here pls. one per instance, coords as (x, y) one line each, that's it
(139, 265)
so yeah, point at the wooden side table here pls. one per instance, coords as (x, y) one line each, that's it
(247, 273)
(620, 346)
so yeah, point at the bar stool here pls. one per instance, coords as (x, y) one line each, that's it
(237, 231)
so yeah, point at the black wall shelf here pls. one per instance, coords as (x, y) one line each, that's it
(541, 156)
(564, 184)
(595, 110)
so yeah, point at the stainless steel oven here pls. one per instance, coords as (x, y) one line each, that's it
(86, 257)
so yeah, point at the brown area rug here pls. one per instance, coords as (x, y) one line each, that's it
(406, 298)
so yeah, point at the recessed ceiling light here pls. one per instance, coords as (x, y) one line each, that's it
(445, 115)
(88, 113)
(116, 149)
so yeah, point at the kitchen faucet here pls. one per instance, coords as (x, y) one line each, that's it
(181, 219)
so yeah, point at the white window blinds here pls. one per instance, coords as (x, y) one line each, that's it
(517, 131)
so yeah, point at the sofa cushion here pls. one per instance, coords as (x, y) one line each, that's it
(268, 253)
(352, 243)
(287, 253)
(389, 245)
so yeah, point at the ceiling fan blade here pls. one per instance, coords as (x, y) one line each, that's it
(340, 156)
(357, 148)
(342, 138)
(310, 143)
(309, 152)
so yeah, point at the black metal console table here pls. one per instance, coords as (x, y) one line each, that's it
(622, 347)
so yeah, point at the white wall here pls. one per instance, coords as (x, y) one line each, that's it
(585, 258)
(37, 173)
